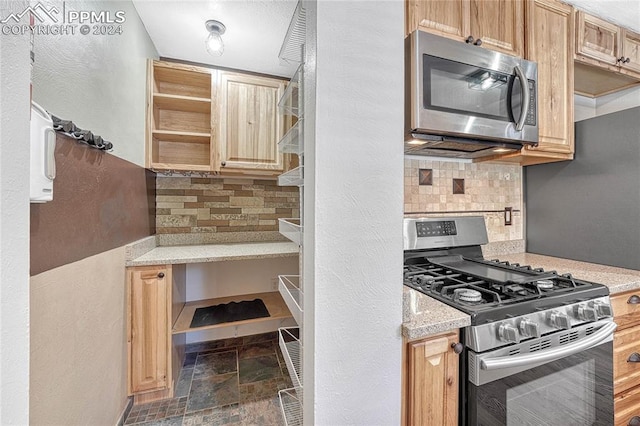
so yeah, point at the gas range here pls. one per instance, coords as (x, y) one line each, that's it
(535, 336)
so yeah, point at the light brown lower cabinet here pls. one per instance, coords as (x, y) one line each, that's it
(154, 355)
(626, 358)
(430, 381)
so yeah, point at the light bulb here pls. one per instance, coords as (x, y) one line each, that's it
(214, 44)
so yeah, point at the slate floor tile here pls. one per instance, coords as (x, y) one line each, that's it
(262, 412)
(258, 368)
(213, 391)
(211, 364)
(227, 415)
(256, 349)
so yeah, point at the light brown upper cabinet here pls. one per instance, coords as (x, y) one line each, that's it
(207, 120)
(608, 56)
(250, 125)
(494, 24)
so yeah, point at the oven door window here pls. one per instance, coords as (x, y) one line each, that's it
(576, 390)
(459, 88)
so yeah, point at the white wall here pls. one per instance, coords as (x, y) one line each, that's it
(97, 81)
(355, 229)
(14, 225)
(585, 107)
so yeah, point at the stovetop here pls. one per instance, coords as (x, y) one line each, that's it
(493, 290)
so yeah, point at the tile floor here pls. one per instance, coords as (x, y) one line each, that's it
(223, 382)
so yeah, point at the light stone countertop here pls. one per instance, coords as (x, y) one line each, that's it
(617, 279)
(164, 255)
(424, 316)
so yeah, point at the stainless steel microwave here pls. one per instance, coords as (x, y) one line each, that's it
(466, 101)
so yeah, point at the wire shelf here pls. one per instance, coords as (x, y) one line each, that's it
(291, 228)
(291, 348)
(290, 102)
(289, 287)
(293, 141)
(293, 177)
(291, 406)
(291, 50)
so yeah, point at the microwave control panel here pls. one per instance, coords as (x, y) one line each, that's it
(531, 114)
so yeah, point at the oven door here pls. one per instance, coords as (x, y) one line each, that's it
(573, 387)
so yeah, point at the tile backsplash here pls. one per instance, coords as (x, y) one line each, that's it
(488, 188)
(220, 210)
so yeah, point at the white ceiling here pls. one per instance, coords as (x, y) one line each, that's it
(254, 35)
(622, 12)
(256, 28)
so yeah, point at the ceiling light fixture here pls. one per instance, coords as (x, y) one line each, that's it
(214, 43)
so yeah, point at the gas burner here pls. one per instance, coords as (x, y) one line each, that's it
(467, 295)
(544, 284)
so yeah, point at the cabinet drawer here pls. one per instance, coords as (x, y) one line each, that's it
(627, 406)
(625, 313)
(626, 345)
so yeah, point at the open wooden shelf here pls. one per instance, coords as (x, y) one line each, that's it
(180, 150)
(273, 301)
(176, 80)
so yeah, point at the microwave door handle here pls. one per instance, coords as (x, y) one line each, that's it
(49, 154)
(595, 339)
(526, 96)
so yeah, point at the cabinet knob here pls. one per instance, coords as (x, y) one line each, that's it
(634, 357)
(224, 163)
(160, 274)
(469, 40)
(634, 300)
(457, 347)
(478, 42)
(635, 421)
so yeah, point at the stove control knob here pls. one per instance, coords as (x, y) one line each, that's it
(529, 328)
(603, 309)
(508, 333)
(559, 320)
(586, 313)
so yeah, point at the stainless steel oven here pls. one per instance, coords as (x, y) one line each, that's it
(515, 385)
(482, 101)
(539, 349)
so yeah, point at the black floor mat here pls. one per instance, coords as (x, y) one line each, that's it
(229, 312)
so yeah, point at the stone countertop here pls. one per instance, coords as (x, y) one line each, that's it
(617, 279)
(164, 255)
(423, 315)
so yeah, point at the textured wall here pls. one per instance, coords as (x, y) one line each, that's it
(488, 187)
(14, 224)
(97, 81)
(205, 210)
(78, 342)
(355, 237)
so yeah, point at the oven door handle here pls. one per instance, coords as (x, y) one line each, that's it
(551, 354)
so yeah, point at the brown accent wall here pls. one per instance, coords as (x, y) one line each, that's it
(100, 202)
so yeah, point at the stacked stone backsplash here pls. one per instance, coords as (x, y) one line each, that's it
(487, 189)
(221, 210)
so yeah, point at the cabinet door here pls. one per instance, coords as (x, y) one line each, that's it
(499, 24)
(149, 329)
(448, 18)
(432, 376)
(631, 50)
(597, 39)
(250, 124)
(549, 43)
